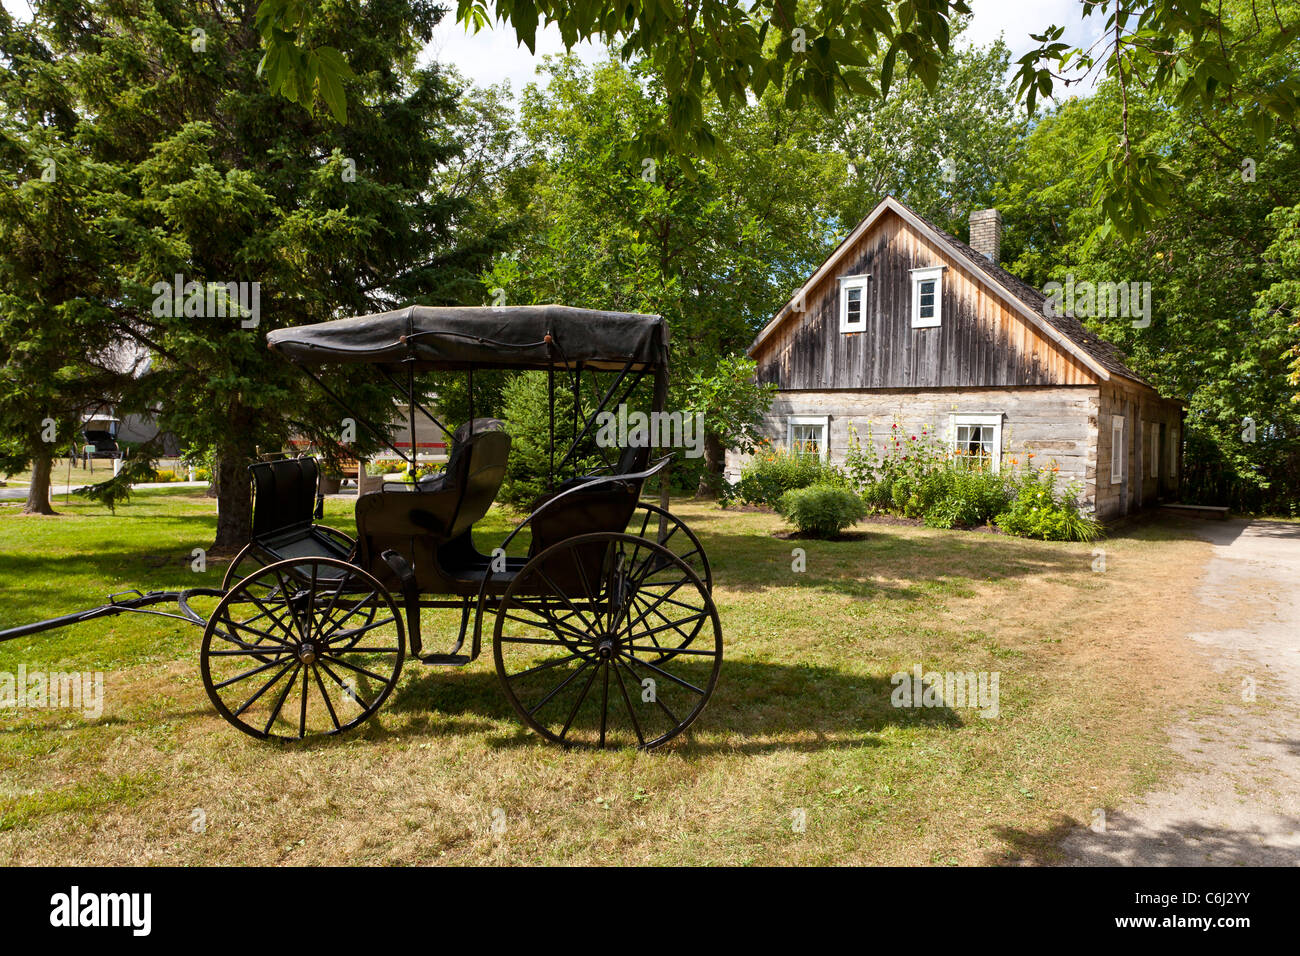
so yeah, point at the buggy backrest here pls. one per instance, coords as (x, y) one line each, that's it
(604, 505)
(284, 495)
(416, 522)
(633, 458)
(485, 454)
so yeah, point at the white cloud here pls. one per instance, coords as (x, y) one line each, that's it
(490, 56)
(1015, 20)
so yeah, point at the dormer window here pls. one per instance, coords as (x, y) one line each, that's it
(927, 297)
(853, 303)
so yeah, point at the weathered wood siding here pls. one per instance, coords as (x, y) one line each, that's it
(1054, 424)
(1141, 410)
(981, 341)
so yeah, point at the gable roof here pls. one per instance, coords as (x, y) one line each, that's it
(1065, 330)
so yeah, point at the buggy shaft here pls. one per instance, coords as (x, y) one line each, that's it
(107, 610)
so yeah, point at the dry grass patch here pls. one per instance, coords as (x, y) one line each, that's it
(1093, 667)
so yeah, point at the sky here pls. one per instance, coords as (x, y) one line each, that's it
(491, 56)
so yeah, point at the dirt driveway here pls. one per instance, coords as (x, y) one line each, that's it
(1239, 801)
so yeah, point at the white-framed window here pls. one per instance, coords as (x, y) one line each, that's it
(1116, 449)
(808, 435)
(927, 297)
(977, 439)
(853, 303)
(1155, 450)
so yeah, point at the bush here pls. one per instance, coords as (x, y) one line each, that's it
(165, 475)
(821, 510)
(1039, 511)
(768, 476)
(916, 476)
(969, 498)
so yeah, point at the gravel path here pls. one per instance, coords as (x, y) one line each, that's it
(1239, 802)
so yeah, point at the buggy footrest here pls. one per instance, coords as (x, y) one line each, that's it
(446, 660)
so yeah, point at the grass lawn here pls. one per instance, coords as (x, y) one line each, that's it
(1092, 667)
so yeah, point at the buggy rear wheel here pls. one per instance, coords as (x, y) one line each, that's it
(575, 647)
(301, 648)
(665, 528)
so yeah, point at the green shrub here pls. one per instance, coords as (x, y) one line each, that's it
(768, 476)
(969, 498)
(1040, 511)
(821, 510)
(164, 475)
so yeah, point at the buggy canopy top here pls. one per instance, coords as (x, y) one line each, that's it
(464, 337)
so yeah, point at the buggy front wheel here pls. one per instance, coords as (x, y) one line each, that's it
(301, 648)
(578, 649)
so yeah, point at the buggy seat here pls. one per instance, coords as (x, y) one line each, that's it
(284, 498)
(430, 523)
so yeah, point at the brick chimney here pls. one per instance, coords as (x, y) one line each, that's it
(986, 233)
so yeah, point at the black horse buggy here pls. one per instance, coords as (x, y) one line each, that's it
(598, 603)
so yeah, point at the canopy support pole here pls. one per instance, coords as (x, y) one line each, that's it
(410, 414)
(591, 420)
(427, 414)
(550, 395)
(359, 420)
(660, 401)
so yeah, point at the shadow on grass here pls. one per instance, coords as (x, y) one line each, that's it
(762, 707)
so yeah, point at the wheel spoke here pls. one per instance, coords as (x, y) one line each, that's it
(237, 625)
(288, 603)
(284, 694)
(306, 687)
(578, 635)
(265, 687)
(662, 706)
(564, 597)
(351, 666)
(247, 625)
(657, 603)
(288, 633)
(670, 625)
(604, 700)
(350, 691)
(581, 697)
(547, 666)
(256, 670)
(659, 649)
(329, 706)
(627, 701)
(559, 687)
(247, 651)
(536, 640)
(352, 632)
(672, 677)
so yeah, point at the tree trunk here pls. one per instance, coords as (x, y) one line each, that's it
(38, 492)
(234, 503)
(715, 462)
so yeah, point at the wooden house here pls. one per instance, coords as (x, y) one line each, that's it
(904, 324)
